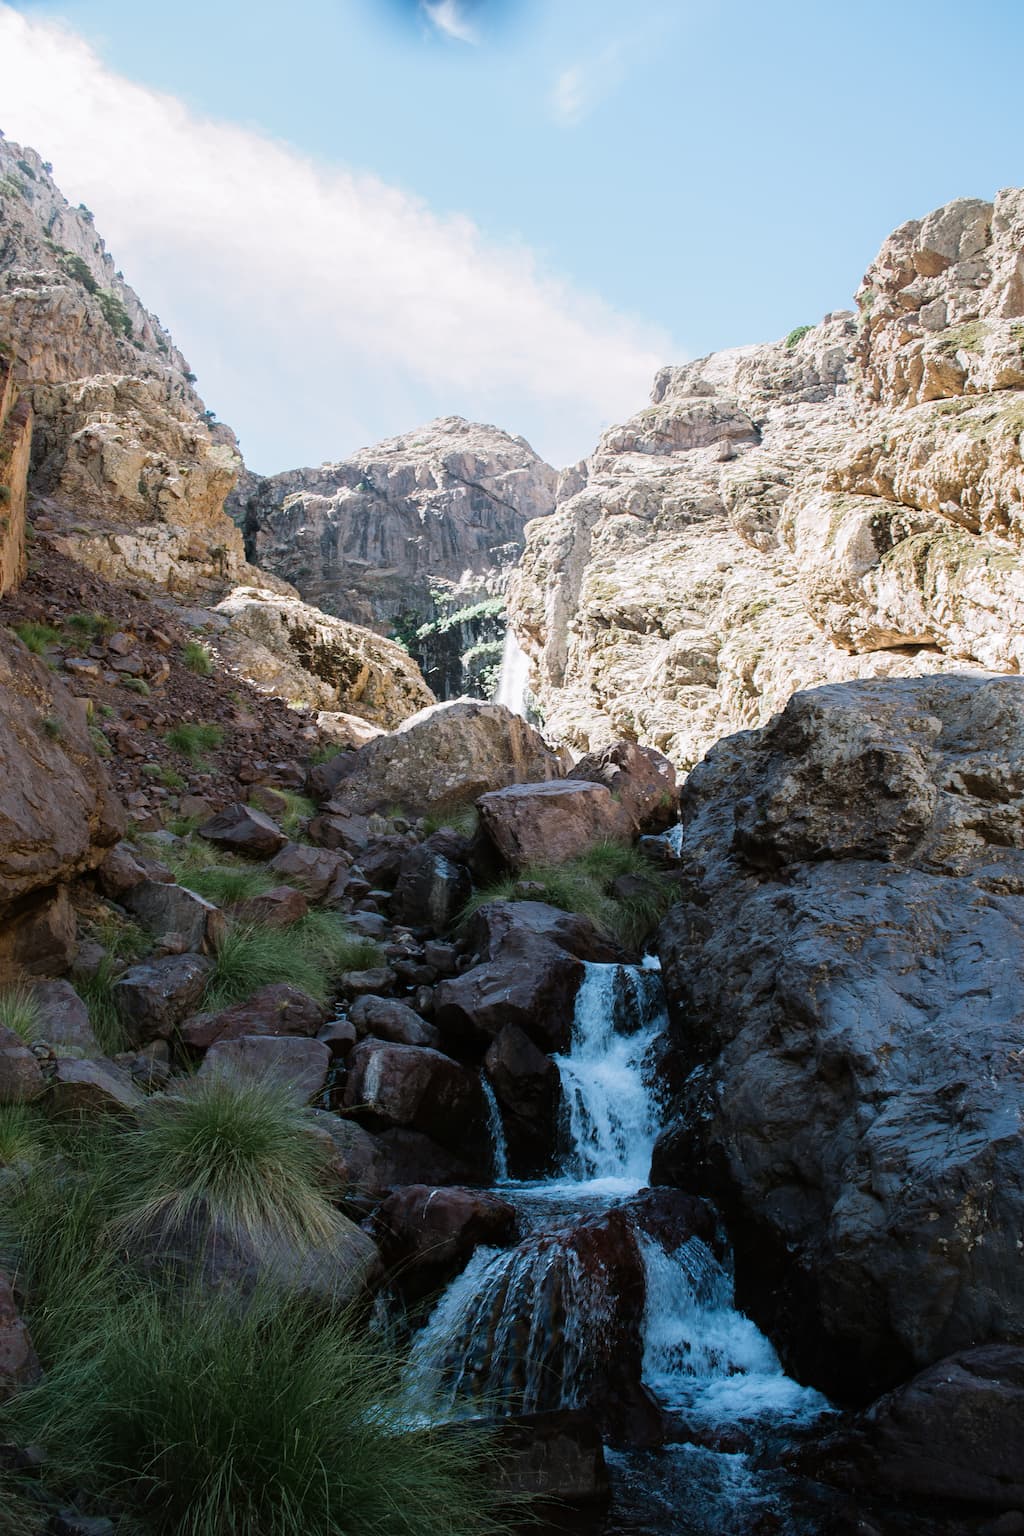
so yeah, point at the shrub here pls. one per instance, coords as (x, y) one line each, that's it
(797, 334)
(90, 626)
(75, 267)
(299, 809)
(197, 658)
(20, 1011)
(137, 685)
(53, 727)
(169, 777)
(584, 885)
(464, 819)
(193, 738)
(114, 312)
(101, 746)
(38, 637)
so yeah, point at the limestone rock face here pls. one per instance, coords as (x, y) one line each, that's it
(365, 538)
(308, 657)
(847, 503)
(15, 448)
(842, 978)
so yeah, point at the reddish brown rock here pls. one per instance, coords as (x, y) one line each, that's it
(39, 937)
(275, 1010)
(368, 1164)
(153, 998)
(500, 926)
(532, 985)
(414, 1086)
(21, 1079)
(64, 1018)
(640, 779)
(314, 869)
(243, 829)
(279, 907)
(550, 823)
(432, 888)
(388, 1019)
(427, 1234)
(119, 872)
(299, 1063)
(97, 1087)
(527, 1088)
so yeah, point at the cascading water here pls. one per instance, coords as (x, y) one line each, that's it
(514, 675)
(497, 1130)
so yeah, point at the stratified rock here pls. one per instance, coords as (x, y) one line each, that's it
(388, 1019)
(427, 1233)
(415, 1087)
(300, 1064)
(841, 978)
(551, 823)
(97, 1087)
(274, 1010)
(21, 1079)
(440, 759)
(154, 998)
(289, 648)
(841, 504)
(242, 829)
(370, 537)
(164, 909)
(64, 1018)
(640, 779)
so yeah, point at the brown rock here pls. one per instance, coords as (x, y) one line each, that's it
(550, 823)
(415, 1087)
(274, 1010)
(532, 986)
(97, 1087)
(527, 1087)
(41, 939)
(555, 1457)
(314, 868)
(165, 909)
(64, 1018)
(119, 872)
(21, 1079)
(432, 888)
(299, 1063)
(279, 907)
(153, 998)
(388, 1019)
(427, 1234)
(244, 830)
(640, 779)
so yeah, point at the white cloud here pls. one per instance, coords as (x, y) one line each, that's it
(448, 18)
(321, 309)
(583, 85)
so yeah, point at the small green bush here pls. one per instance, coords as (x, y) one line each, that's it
(53, 727)
(197, 658)
(137, 685)
(464, 819)
(193, 738)
(38, 637)
(797, 334)
(20, 1011)
(300, 809)
(114, 312)
(75, 267)
(90, 626)
(169, 777)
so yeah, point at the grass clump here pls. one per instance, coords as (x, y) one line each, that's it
(311, 954)
(163, 774)
(137, 685)
(97, 993)
(584, 885)
(100, 745)
(21, 1136)
(88, 627)
(193, 738)
(298, 810)
(229, 880)
(38, 637)
(797, 334)
(197, 658)
(464, 819)
(20, 1012)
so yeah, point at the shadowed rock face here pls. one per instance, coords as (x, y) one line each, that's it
(843, 975)
(366, 538)
(841, 504)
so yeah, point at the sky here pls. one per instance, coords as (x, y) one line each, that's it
(356, 215)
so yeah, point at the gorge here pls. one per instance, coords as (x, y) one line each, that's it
(585, 904)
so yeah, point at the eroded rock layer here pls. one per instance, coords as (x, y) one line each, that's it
(846, 503)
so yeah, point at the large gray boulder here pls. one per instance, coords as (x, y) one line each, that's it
(844, 978)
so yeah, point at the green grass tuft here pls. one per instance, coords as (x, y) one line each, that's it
(20, 1011)
(193, 738)
(169, 777)
(38, 637)
(311, 954)
(87, 627)
(22, 1138)
(584, 885)
(136, 685)
(97, 993)
(197, 658)
(464, 819)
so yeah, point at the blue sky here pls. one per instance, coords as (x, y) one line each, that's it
(376, 211)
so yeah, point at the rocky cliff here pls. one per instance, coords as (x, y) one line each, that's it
(406, 536)
(844, 503)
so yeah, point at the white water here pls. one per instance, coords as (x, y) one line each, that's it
(514, 676)
(496, 1127)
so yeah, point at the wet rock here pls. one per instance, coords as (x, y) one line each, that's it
(431, 889)
(427, 1234)
(501, 926)
(640, 779)
(298, 1063)
(92, 1087)
(339, 1036)
(314, 868)
(556, 1456)
(155, 997)
(444, 757)
(550, 823)
(19, 1363)
(418, 1088)
(278, 1009)
(164, 909)
(532, 985)
(368, 1165)
(388, 1019)
(64, 1018)
(242, 829)
(840, 975)
(527, 1087)
(21, 1079)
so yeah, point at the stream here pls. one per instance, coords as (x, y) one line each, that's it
(540, 1325)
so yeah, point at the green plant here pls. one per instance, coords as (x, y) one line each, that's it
(299, 810)
(22, 1135)
(193, 738)
(584, 885)
(797, 334)
(38, 637)
(464, 819)
(20, 1011)
(5, 495)
(242, 1149)
(121, 936)
(53, 727)
(310, 954)
(197, 658)
(90, 626)
(137, 685)
(114, 312)
(169, 777)
(75, 267)
(97, 993)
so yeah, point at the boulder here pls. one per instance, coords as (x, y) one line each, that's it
(841, 976)
(298, 1063)
(341, 830)
(39, 937)
(274, 1010)
(279, 907)
(19, 1363)
(380, 863)
(21, 1079)
(153, 998)
(443, 757)
(388, 1019)
(500, 926)
(64, 1018)
(532, 984)
(165, 909)
(550, 823)
(314, 869)
(243, 829)
(93, 1087)
(368, 1165)
(377, 978)
(528, 1089)
(119, 872)
(57, 813)
(415, 1087)
(555, 1457)
(427, 1234)
(431, 889)
(640, 779)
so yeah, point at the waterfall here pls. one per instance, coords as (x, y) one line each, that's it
(496, 1126)
(513, 676)
(612, 1116)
